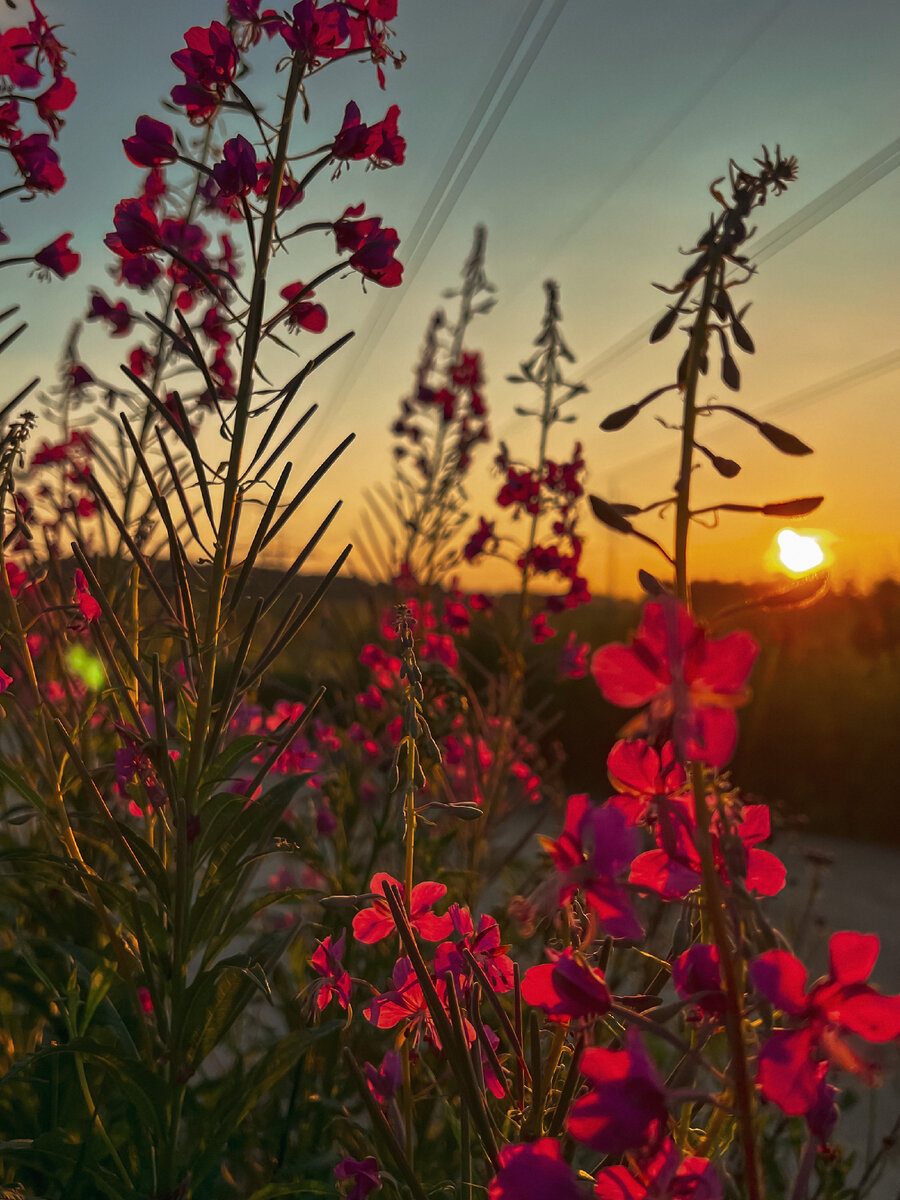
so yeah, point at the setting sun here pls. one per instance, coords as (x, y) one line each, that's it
(798, 554)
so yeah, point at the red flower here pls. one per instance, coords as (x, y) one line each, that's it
(573, 662)
(667, 1175)
(695, 975)
(841, 1004)
(626, 1108)
(118, 315)
(674, 870)
(689, 680)
(372, 924)
(209, 64)
(318, 32)
(380, 143)
(567, 988)
(151, 143)
(534, 1171)
(15, 48)
(372, 247)
(541, 631)
(477, 543)
(237, 174)
(56, 99)
(335, 982)
(406, 1002)
(58, 258)
(302, 313)
(38, 164)
(363, 1172)
(137, 229)
(89, 607)
(644, 777)
(596, 846)
(256, 23)
(485, 946)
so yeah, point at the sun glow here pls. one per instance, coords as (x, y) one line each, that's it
(798, 554)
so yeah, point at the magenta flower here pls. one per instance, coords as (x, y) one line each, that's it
(534, 1171)
(302, 312)
(5, 680)
(87, 605)
(667, 1176)
(209, 64)
(484, 945)
(116, 315)
(384, 1081)
(335, 982)
(237, 174)
(626, 1108)
(595, 848)
(372, 247)
(38, 163)
(151, 144)
(691, 683)
(839, 1005)
(16, 46)
(695, 975)
(644, 778)
(56, 99)
(567, 988)
(137, 228)
(406, 1002)
(373, 924)
(573, 662)
(363, 1172)
(58, 258)
(674, 870)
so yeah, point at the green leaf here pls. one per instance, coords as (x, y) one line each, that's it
(14, 779)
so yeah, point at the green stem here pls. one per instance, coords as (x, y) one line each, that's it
(696, 351)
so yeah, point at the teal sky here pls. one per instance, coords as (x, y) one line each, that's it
(595, 176)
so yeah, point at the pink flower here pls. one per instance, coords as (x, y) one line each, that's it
(151, 144)
(666, 1175)
(364, 1174)
(137, 228)
(89, 607)
(209, 64)
(302, 313)
(645, 778)
(839, 1005)
(541, 630)
(626, 1108)
(695, 975)
(567, 988)
(236, 174)
(58, 258)
(534, 1171)
(335, 982)
(596, 847)
(573, 662)
(38, 164)
(372, 247)
(375, 923)
(117, 315)
(690, 681)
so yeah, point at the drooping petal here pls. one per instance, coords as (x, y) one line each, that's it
(787, 1074)
(852, 955)
(782, 980)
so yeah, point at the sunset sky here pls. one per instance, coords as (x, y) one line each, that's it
(597, 172)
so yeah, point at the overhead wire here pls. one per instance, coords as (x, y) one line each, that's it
(740, 50)
(461, 163)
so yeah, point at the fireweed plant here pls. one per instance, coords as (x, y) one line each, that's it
(185, 1015)
(142, 793)
(666, 1042)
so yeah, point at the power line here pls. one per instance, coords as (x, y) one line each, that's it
(461, 163)
(743, 46)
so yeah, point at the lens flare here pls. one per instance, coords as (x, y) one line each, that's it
(799, 553)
